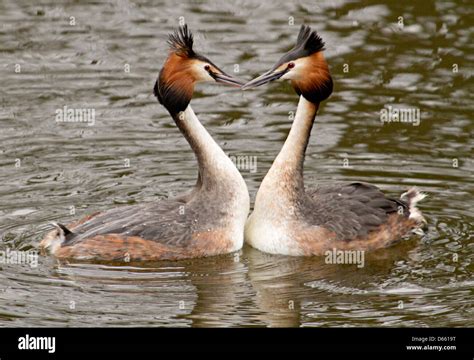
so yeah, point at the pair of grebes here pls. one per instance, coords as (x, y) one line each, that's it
(213, 218)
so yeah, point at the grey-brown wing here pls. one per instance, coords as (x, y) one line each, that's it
(169, 221)
(351, 210)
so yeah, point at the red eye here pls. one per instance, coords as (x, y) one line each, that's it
(291, 65)
(207, 68)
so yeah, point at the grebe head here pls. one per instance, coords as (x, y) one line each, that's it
(183, 69)
(304, 65)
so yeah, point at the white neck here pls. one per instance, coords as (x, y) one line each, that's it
(282, 189)
(215, 167)
(287, 169)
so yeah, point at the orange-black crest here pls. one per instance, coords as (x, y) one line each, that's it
(174, 87)
(182, 69)
(181, 42)
(307, 43)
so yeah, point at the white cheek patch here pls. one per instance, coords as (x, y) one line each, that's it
(200, 73)
(54, 239)
(298, 71)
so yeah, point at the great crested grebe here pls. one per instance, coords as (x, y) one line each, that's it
(287, 219)
(207, 221)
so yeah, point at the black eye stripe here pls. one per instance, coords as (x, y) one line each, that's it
(212, 74)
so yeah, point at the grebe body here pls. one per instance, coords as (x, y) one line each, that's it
(207, 221)
(291, 220)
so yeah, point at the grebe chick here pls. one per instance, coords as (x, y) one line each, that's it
(207, 221)
(287, 219)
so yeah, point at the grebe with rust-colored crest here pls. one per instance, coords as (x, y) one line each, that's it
(207, 221)
(287, 219)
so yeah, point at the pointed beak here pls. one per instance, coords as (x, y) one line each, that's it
(223, 78)
(265, 78)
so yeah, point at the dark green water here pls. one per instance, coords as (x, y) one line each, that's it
(48, 167)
